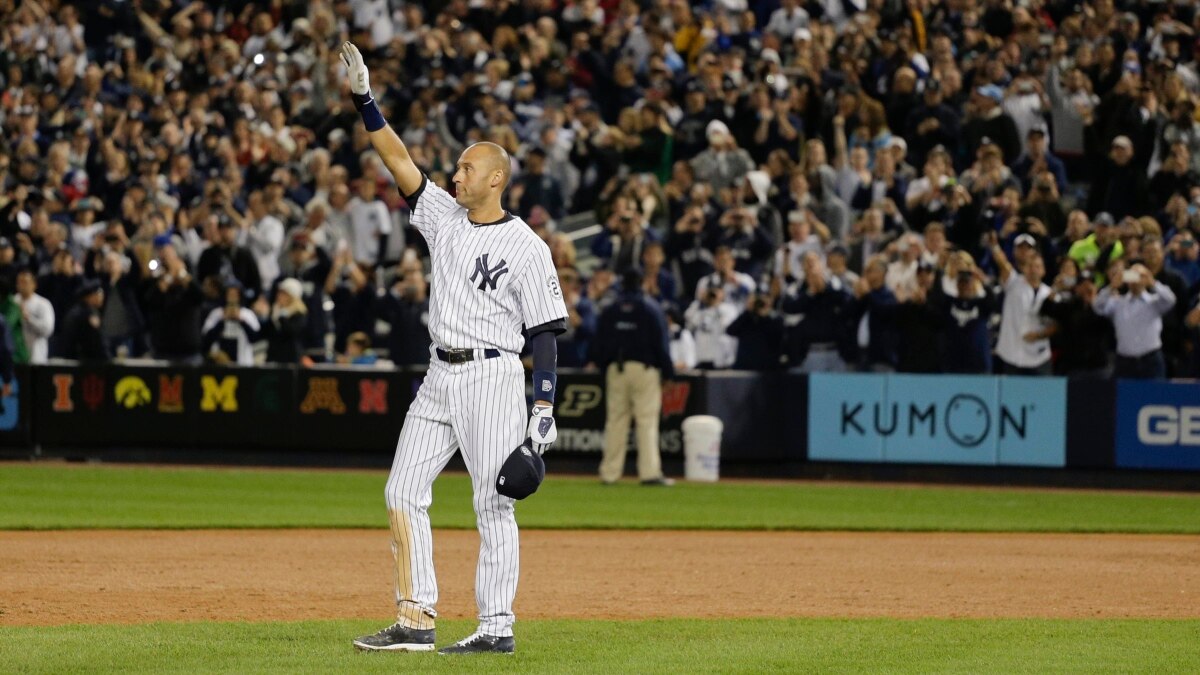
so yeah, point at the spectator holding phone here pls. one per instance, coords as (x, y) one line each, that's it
(1136, 303)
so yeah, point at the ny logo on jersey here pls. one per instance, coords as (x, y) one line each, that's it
(491, 275)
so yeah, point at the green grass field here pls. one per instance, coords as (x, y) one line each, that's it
(72, 497)
(663, 646)
(51, 496)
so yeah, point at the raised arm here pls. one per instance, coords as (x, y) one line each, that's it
(387, 143)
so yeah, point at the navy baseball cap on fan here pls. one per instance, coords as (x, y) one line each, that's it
(521, 473)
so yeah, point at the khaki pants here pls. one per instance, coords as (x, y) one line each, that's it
(633, 391)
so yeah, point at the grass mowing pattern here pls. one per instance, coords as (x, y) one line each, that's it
(660, 646)
(57, 497)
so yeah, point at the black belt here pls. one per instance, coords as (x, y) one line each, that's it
(464, 355)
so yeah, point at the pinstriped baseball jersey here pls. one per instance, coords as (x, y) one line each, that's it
(488, 280)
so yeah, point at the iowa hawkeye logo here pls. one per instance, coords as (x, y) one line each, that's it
(131, 392)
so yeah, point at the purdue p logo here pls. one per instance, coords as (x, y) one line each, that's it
(491, 275)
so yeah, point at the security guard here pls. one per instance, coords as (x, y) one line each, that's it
(631, 348)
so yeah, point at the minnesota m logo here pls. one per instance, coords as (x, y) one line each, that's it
(491, 275)
(218, 396)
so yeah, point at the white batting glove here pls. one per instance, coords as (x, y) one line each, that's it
(542, 430)
(360, 80)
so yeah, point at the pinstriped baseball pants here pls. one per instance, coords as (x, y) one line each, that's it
(478, 406)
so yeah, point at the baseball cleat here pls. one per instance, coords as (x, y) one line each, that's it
(659, 482)
(478, 643)
(397, 638)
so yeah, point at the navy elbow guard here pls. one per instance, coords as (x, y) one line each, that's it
(372, 118)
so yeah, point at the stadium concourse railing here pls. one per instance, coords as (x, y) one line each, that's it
(768, 417)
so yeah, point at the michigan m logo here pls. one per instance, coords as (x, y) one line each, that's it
(218, 396)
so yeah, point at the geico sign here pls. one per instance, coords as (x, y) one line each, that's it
(1168, 425)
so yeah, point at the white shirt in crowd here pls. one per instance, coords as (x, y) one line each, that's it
(368, 222)
(683, 349)
(795, 251)
(240, 333)
(708, 325)
(737, 289)
(784, 23)
(37, 323)
(1025, 110)
(901, 277)
(1019, 317)
(265, 238)
(376, 17)
(1136, 319)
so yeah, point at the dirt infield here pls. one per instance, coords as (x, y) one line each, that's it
(51, 578)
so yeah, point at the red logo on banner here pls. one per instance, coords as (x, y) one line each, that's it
(675, 397)
(170, 393)
(62, 393)
(372, 396)
(93, 391)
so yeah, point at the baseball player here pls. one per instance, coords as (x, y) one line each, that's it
(493, 288)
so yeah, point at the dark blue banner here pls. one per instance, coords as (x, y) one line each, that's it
(1158, 425)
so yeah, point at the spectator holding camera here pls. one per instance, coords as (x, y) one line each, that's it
(225, 258)
(707, 318)
(805, 235)
(405, 309)
(351, 287)
(80, 337)
(263, 235)
(620, 246)
(1119, 185)
(1083, 339)
(688, 241)
(283, 322)
(723, 163)
(747, 242)
(1184, 258)
(874, 319)
(1135, 303)
(1044, 203)
(759, 333)
(310, 265)
(919, 321)
(736, 286)
(816, 311)
(1153, 258)
(173, 305)
(122, 322)
(229, 331)
(1037, 160)
(967, 313)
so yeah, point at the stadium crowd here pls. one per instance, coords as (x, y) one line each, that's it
(962, 186)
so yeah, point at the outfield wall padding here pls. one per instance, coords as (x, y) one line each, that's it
(769, 417)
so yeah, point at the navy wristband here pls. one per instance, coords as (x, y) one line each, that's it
(372, 118)
(544, 382)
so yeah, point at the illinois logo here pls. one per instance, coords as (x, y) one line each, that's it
(131, 392)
